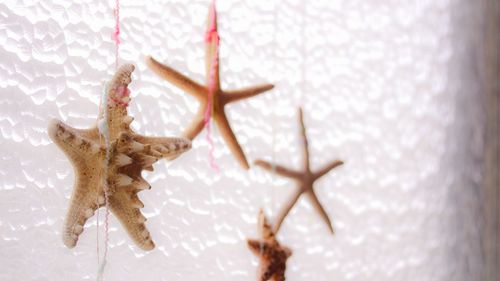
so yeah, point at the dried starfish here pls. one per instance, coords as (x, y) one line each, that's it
(305, 179)
(129, 154)
(273, 256)
(220, 98)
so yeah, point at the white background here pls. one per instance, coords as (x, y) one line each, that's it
(387, 86)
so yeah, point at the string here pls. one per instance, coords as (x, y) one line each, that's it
(211, 37)
(104, 131)
(116, 33)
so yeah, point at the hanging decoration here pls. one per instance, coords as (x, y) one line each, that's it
(108, 158)
(211, 97)
(273, 256)
(103, 130)
(304, 178)
(128, 153)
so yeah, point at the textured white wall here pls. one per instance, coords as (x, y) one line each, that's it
(386, 86)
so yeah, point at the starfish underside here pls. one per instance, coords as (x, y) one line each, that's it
(272, 255)
(220, 98)
(129, 154)
(305, 179)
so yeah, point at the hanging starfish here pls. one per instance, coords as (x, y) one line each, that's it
(129, 153)
(305, 179)
(220, 98)
(273, 256)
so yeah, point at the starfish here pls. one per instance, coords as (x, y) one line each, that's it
(219, 97)
(305, 179)
(110, 154)
(273, 256)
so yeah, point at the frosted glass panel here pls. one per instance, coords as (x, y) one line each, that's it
(387, 86)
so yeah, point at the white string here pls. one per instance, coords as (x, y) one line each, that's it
(104, 132)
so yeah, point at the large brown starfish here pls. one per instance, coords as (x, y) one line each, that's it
(273, 256)
(220, 98)
(119, 167)
(305, 179)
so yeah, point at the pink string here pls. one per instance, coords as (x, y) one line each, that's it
(212, 36)
(116, 34)
(120, 93)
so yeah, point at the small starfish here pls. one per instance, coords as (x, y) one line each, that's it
(129, 154)
(273, 256)
(220, 98)
(305, 179)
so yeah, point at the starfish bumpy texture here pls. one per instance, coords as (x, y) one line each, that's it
(220, 98)
(118, 165)
(273, 256)
(305, 179)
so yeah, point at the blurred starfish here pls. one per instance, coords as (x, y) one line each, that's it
(273, 256)
(219, 97)
(305, 179)
(115, 158)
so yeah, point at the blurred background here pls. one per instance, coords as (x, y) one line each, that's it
(405, 92)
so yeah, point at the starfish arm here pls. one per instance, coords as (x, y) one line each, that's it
(284, 212)
(236, 95)
(277, 265)
(122, 205)
(113, 115)
(258, 247)
(277, 169)
(319, 208)
(83, 203)
(228, 135)
(71, 142)
(191, 132)
(92, 133)
(212, 50)
(122, 78)
(196, 125)
(212, 67)
(287, 251)
(323, 171)
(268, 272)
(279, 276)
(305, 142)
(178, 79)
(264, 226)
(166, 146)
